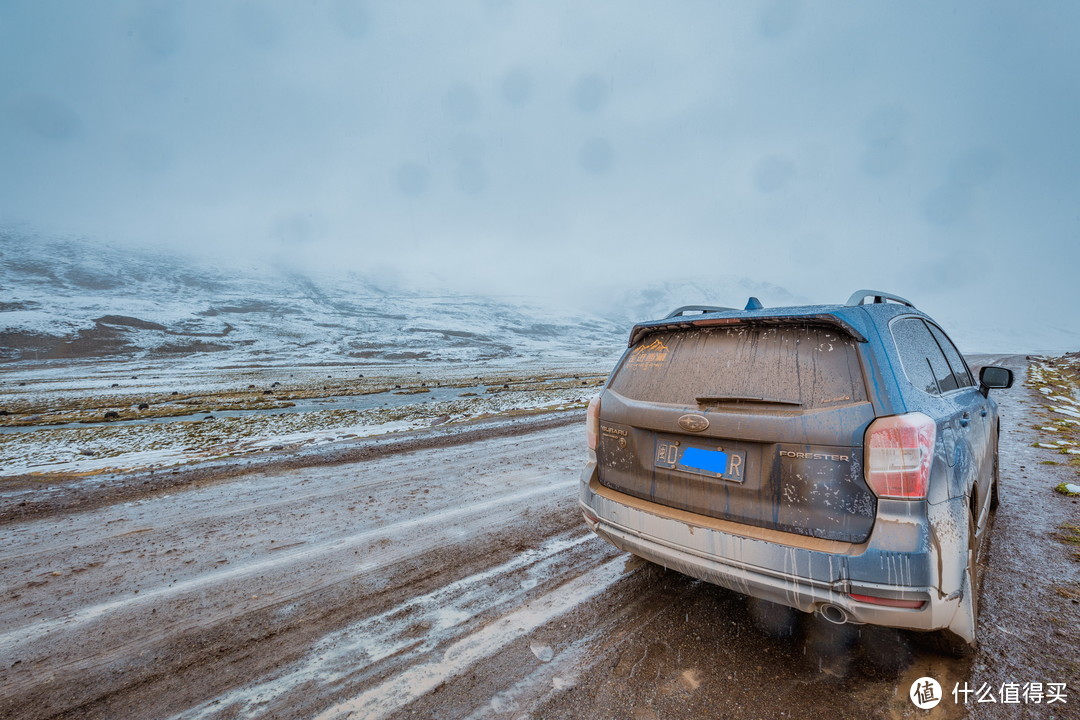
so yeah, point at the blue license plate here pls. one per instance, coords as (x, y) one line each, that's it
(711, 462)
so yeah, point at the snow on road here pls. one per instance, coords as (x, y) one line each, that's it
(381, 700)
(427, 528)
(445, 612)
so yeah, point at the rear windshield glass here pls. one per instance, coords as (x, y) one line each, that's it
(805, 366)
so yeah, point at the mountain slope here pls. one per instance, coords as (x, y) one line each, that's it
(74, 298)
(67, 298)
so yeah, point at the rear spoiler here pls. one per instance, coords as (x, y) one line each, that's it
(829, 320)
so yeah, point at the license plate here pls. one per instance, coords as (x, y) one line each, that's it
(710, 462)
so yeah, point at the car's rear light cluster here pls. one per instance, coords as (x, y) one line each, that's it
(899, 451)
(592, 422)
(888, 602)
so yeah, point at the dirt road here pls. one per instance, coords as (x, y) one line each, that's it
(459, 581)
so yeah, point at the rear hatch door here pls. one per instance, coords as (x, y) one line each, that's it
(760, 425)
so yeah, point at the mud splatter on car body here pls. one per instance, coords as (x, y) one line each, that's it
(838, 459)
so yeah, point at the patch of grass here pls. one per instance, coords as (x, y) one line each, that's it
(1070, 534)
(282, 394)
(1065, 491)
(1070, 593)
(1049, 462)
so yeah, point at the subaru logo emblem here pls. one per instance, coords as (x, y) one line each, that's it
(693, 423)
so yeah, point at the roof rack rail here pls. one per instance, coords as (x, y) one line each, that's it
(696, 308)
(859, 296)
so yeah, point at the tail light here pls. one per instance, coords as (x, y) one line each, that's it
(899, 450)
(592, 422)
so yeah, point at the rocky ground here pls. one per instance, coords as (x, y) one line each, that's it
(151, 416)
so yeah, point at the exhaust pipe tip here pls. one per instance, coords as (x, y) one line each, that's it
(833, 613)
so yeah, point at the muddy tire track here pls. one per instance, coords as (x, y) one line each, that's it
(26, 497)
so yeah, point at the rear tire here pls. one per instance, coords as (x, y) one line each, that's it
(946, 642)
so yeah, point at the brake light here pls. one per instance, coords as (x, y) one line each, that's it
(716, 321)
(592, 422)
(899, 450)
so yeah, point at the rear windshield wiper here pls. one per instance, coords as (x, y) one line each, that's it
(714, 399)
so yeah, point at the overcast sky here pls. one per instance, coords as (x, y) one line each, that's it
(927, 148)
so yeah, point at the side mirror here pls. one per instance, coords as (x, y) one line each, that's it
(993, 377)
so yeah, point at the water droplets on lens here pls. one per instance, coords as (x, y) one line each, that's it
(590, 93)
(596, 155)
(351, 18)
(516, 87)
(156, 32)
(461, 103)
(886, 149)
(772, 173)
(470, 176)
(256, 24)
(45, 117)
(778, 18)
(412, 179)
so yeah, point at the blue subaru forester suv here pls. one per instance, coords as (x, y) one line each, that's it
(837, 459)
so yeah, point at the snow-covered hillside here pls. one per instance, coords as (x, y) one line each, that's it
(62, 298)
(74, 298)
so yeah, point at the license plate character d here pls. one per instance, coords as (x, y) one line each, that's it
(667, 454)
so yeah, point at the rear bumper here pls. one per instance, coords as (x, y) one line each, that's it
(900, 560)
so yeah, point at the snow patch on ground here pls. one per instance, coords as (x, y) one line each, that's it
(399, 690)
(1058, 380)
(102, 447)
(441, 616)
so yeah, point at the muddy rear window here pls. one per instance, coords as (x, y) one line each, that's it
(766, 367)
